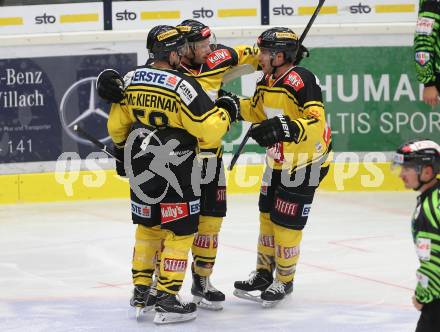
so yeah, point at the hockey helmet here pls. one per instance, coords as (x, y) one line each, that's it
(279, 40)
(194, 31)
(417, 153)
(164, 39)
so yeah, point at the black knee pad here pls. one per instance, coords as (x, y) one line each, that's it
(291, 209)
(213, 194)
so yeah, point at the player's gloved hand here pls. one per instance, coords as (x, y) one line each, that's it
(119, 153)
(277, 129)
(231, 103)
(110, 86)
(302, 53)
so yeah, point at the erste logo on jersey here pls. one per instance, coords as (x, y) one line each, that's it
(422, 58)
(294, 80)
(155, 77)
(424, 25)
(217, 57)
(187, 92)
(173, 211)
(143, 211)
(306, 210)
(194, 207)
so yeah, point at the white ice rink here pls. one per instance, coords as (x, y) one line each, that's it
(66, 267)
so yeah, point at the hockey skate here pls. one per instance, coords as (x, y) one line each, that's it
(275, 293)
(259, 280)
(206, 296)
(170, 309)
(143, 299)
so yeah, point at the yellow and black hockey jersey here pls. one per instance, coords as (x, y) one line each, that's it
(167, 97)
(297, 94)
(219, 62)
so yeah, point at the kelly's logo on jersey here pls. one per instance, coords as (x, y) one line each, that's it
(217, 57)
(173, 211)
(294, 80)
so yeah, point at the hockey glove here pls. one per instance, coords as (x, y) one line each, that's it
(231, 103)
(119, 153)
(110, 86)
(302, 53)
(277, 129)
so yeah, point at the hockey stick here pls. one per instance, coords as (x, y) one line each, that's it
(95, 141)
(238, 71)
(300, 40)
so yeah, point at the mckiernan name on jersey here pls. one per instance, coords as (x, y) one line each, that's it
(152, 101)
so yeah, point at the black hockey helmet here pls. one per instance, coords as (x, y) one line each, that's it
(418, 153)
(164, 39)
(194, 31)
(280, 40)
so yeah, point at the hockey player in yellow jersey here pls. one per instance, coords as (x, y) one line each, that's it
(157, 126)
(208, 63)
(290, 122)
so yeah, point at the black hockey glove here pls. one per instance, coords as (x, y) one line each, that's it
(302, 53)
(231, 103)
(119, 153)
(277, 129)
(110, 86)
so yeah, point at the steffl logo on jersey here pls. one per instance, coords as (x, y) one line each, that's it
(174, 265)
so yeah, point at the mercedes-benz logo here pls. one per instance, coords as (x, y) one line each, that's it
(92, 109)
